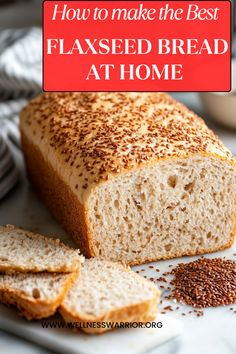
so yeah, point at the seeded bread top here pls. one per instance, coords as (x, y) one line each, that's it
(90, 137)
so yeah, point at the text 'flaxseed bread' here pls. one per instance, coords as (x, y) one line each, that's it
(135, 177)
(23, 251)
(110, 293)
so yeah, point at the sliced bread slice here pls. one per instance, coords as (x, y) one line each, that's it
(36, 295)
(23, 251)
(108, 292)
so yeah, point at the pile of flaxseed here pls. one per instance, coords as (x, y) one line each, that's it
(205, 282)
(199, 284)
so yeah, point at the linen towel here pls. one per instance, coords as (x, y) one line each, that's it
(20, 80)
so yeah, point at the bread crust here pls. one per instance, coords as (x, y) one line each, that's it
(32, 308)
(59, 198)
(67, 209)
(142, 312)
(12, 268)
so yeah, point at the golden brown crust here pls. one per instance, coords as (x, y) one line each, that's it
(33, 308)
(34, 269)
(62, 202)
(67, 209)
(141, 312)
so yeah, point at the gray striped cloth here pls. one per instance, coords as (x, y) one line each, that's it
(8, 171)
(20, 80)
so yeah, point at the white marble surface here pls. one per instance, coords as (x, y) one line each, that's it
(214, 333)
(125, 341)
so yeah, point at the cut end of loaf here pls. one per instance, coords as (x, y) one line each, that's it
(174, 208)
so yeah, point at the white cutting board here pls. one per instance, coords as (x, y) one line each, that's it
(125, 341)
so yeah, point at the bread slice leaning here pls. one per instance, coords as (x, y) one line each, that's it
(108, 292)
(36, 295)
(23, 251)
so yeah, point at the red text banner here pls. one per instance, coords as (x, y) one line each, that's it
(136, 46)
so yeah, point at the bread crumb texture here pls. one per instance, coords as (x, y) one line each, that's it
(23, 251)
(43, 286)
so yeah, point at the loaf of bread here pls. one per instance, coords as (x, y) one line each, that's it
(37, 295)
(23, 251)
(107, 292)
(135, 177)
